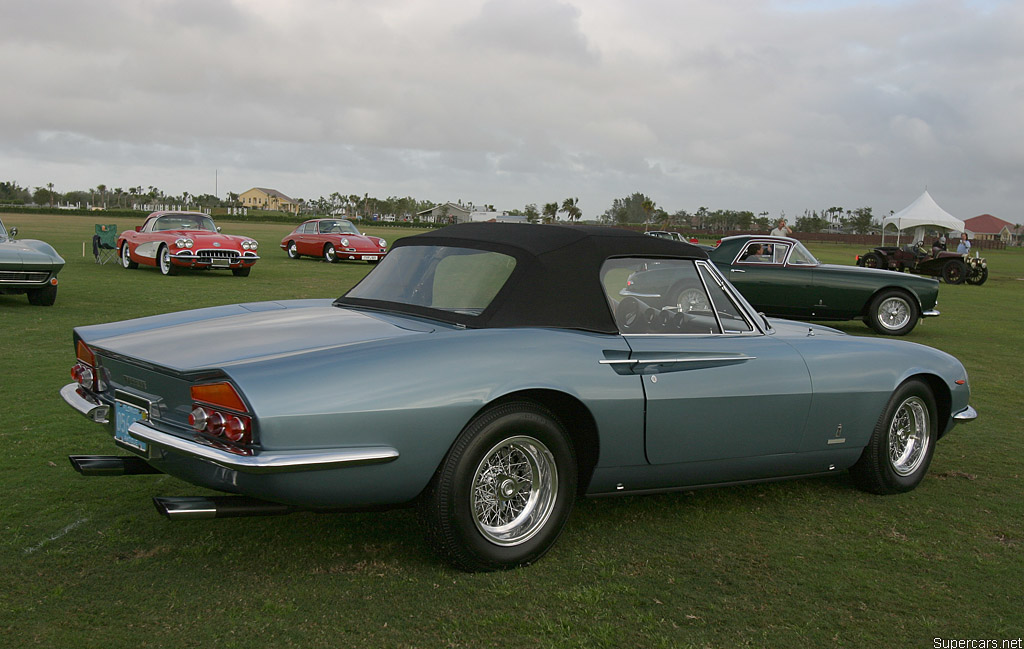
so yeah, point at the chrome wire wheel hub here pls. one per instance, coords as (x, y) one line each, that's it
(165, 261)
(691, 299)
(514, 489)
(894, 313)
(909, 437)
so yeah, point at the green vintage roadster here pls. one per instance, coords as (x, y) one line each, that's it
(28, 266)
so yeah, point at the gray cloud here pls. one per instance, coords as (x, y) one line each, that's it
(753, 105)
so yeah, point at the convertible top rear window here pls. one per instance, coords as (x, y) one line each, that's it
(461, 280)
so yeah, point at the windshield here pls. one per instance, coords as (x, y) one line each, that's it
(459, 280)
(802, 256)
(337, 227)
(184, 222)
(3, 232)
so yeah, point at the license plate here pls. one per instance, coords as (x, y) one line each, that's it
(125, 414)
(371, 257)
(217, 262)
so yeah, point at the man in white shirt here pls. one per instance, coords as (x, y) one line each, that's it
(782, 230)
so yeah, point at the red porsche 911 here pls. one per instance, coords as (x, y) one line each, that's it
(334, 240)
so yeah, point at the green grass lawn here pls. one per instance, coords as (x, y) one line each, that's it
(87, 562)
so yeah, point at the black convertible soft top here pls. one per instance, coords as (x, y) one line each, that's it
(556, 281)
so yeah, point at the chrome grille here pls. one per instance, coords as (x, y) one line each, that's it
(231, 255)
(24, 276)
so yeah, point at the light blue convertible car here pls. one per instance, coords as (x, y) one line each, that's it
(489, 374)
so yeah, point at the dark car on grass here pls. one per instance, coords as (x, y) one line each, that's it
(28, 266)
(780, 277)
(489, 374)
(952, 267)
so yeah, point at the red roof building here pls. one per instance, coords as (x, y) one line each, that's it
(991, 228)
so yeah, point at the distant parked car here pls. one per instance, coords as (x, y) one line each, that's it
(173, 240)
(664, 234)
(334, 240)
(28, 266)
(952, 267)
(780, 277)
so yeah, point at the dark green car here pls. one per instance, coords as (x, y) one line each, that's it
(780, 277)
(28, 266)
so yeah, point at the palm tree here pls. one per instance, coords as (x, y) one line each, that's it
(572, 212)
(648, 207)
(550, 212)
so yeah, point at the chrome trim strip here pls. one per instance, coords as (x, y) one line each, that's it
(965, 415)
(658, 361)
(268, 462)
(86, 404)
(628, 293)
(930, 314)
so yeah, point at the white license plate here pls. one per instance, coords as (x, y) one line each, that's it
(125, 414)
(371, 257)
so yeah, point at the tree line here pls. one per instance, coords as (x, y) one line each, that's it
(635, 209)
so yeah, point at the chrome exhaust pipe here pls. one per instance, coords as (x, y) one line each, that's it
(185, 508)
(111, 465)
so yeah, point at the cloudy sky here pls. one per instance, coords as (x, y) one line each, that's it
(730, 104)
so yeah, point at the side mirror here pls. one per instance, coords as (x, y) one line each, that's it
(218, 228)
(138, 228)
(14, 232)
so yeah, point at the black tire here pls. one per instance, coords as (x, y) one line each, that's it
(892, 313)
(43, 296)
(241, 272)
(126, 258)
(872, 260)
(900, 450)
(292, 250)
(330, 256)
(954, 272)
(505, 490)
(163, 262)
(977, 276)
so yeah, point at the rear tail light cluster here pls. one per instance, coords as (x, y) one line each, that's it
(219, 412)
(86, 372)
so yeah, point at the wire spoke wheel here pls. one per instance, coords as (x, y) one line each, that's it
(504, 492)
(692, 299)
(909, 436)
(894, 313)
(514, 490)
(897, 456)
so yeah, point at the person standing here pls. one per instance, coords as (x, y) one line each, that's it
(964, 247)
(781, 229)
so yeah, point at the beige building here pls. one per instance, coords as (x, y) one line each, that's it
(260, 198)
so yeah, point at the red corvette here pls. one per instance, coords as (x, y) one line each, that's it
(334, 240)
(173, 240)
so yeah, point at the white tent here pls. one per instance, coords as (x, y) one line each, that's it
(922, 212)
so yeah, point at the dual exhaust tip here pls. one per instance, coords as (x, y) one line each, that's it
(180, 508)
